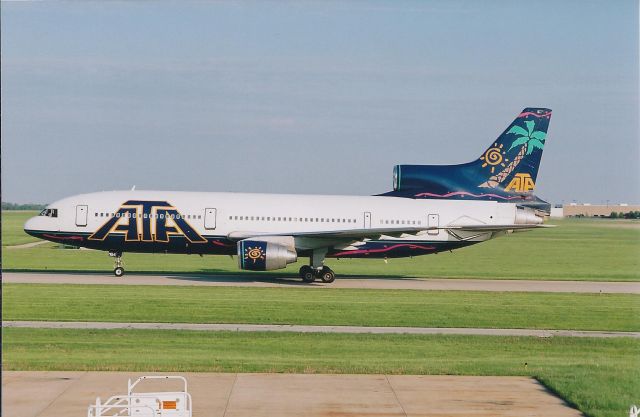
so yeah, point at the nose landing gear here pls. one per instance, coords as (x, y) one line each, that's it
(118, 269)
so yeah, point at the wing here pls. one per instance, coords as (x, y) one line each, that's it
(358, 234)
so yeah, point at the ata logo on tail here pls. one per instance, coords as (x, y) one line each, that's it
(521, 183)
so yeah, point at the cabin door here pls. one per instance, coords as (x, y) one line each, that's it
(367, 220)
(433, 221)
(210, 218)
(81, 215)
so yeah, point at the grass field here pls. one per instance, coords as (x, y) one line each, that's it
(167, 304)
(599, 376)
(12, 227)
(579, 249)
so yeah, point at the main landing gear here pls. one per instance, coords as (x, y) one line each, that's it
(309, 273)
(118, 270)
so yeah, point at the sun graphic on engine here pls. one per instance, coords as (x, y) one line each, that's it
(494, 156)
(254, 253)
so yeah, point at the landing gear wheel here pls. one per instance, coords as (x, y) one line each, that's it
(307, 275)
(327, 275)
(118, 270)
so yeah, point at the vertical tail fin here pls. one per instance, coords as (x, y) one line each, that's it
(506, 171)
(513, 160)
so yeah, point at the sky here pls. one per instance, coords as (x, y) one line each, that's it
(311, 97)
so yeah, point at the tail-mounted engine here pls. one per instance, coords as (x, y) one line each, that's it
(259, 255)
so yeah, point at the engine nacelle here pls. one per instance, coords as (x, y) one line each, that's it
(258, 255)
(527, 216)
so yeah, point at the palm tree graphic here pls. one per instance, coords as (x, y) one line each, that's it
(529, 140)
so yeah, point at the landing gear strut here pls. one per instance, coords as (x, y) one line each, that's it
(118, 270)
(317, 269)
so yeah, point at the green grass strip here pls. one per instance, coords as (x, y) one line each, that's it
(357, 307)
(12, 227)
(599, 376)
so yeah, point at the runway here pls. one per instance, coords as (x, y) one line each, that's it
(54, 394)
(426, 284)
(219, 327)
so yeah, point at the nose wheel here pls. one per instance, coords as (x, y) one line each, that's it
(118, 269)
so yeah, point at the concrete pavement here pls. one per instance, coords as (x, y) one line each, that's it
(62, 394)
(217, 327)
(342, 282)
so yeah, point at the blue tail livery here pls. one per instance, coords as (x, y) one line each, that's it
(506, 171)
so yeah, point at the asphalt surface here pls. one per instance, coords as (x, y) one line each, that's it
(56, 394)
(341, 282)
(217, 327)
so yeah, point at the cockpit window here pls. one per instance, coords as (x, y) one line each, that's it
(50, 212)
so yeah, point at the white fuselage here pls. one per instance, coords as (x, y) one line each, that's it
(222, 214)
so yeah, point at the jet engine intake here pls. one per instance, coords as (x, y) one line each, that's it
(258, 255)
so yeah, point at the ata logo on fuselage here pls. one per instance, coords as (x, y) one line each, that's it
(148, 221)
(521, 182)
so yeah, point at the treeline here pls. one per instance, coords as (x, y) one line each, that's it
(14, 206)
(629, 215)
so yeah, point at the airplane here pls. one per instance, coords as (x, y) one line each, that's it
(432, 208)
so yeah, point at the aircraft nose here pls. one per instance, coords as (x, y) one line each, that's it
(35, 224)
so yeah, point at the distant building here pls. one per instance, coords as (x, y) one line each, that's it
(592, 210)
(557, 211)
